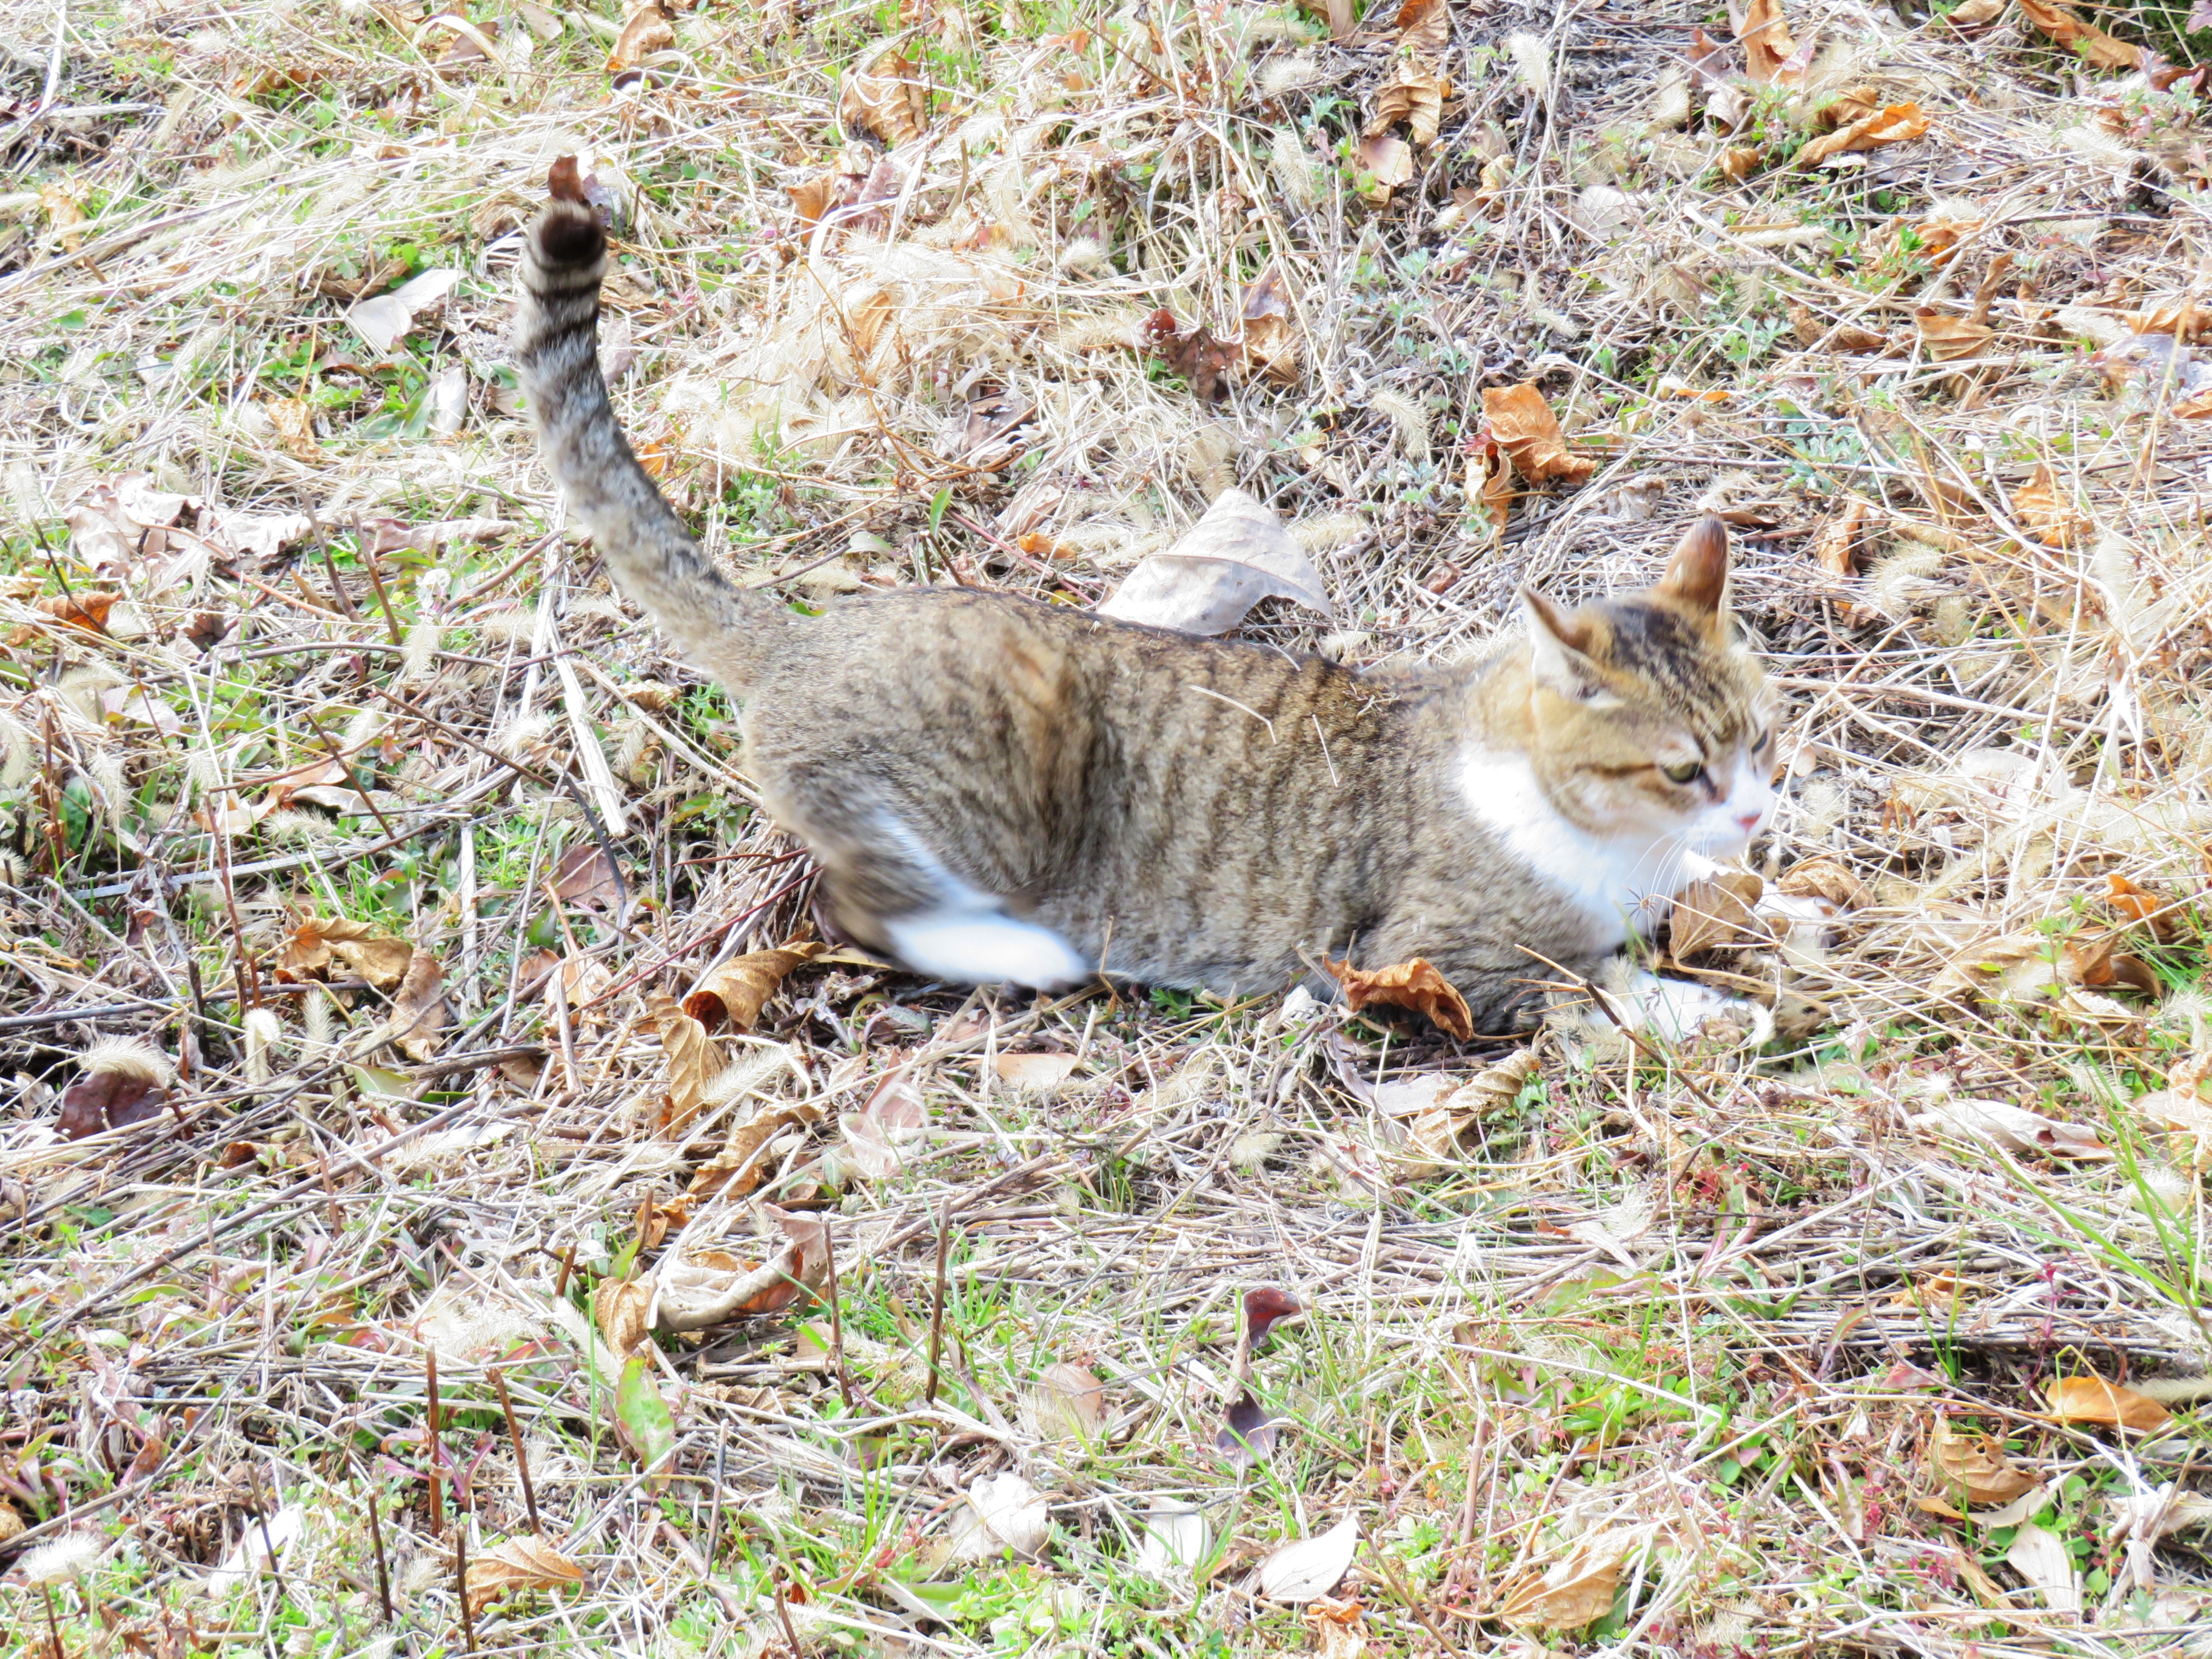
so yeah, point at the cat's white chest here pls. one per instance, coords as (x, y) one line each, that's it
(1622, 885)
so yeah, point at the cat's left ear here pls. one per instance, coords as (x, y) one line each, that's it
(1697, 575)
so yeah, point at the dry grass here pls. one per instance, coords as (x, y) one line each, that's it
(1699, 1322)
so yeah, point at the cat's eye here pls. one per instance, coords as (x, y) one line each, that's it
(1687, 772)
(1758, 744)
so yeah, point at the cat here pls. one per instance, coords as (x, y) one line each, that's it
(1000, 790)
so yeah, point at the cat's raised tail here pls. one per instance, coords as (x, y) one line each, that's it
(721, 627)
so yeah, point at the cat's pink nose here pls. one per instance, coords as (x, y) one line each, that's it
(1750, 821)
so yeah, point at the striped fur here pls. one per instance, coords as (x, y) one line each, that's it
(1003, 789)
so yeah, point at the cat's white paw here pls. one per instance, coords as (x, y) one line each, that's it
(1673, 1009)
(983, 947)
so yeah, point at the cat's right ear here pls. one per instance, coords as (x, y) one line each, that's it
(1559, 642)
(1697, 576)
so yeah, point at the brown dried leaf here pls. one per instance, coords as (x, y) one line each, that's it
(648, 29)
(1416, 985)
(689, 1061)
(2046, 511)
(710, 1286)
(1975, 1465)
(1415, 94)
(1852, 104)
(586, 875)
(1524, 426)
(87, 611)
(1839, 336)
(109, 1100)
(418, 1008)
(1896, 124)
(2140, 905)
(320, 942)
(1272, 345)
(1975, 14)
(1388, 161)
(2091, 44)
(1578, 1589)
(1039, 1072)
(1070, 1402)
(737, 991)
(1771, 57)
(2184, 319)
(1948, 339)
(520, 1563)
(1836, 549)
(1739, 161)
(739, 1168)
(2093, 1399)
(887, 98)
(619, 1307)
(1424, 25)
(1716, 912)
(294, 421)
(1822, 877)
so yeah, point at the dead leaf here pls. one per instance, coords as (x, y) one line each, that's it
(418, 1008)
(1948, 339)
(1490, 478)
(1246, 1434)
(1578, 1590)
(1196, 355)
(1836, 549)
(739, 1168)
(2046, 511)
(1415, 92)
(1823, 877)
(1494, 181)
(1811, 332)
(1716, 912)
(1416, 985)
(2140, 905)
(1339, 1626)
(87, 611)
(318, 943)
(1271, 344)
(1002, 1515)
(1975, 1465)
(2093, 1399)
(1308, 1567)
(294, 421)
(1266, 1306)
(887, 98)
(736, 992)
(2091, 44)
(1524, 426)
(1069, 1402)
(1174, 1540)
(619, 1309)
(1039, 1072)
(1771, 57)
(648, 29)
(689, 1061)
(64, 210)
(1387, 161)
(519, 1563)
(1236, 555)
(1975, 14)
(115, 1096)
(2015, 1128)
(1853, 103)
(711, 1286)
(1424, 25)
(1739, 161)
(2041, 1556)
(586, 875)
(385, 321)
(1898, 124)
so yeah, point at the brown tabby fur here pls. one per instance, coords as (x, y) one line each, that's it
(1180, 810)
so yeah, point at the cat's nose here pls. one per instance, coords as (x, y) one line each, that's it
(1750, 821)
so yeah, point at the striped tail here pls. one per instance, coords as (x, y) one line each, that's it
(719, 626)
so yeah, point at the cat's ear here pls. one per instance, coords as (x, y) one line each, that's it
(1697, 574)
(1559, 642)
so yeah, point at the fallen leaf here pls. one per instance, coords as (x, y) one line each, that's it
(1811, 331)
(1836, 549)
(693, 1291)
(1236, 555)
(737, 1168)
(1578, 1590)
(1713, 912)
(1974, 1465)
(887, 98)
(1898, 124)
(519, 1563)
(2041, 1556)
(294, 421)
(689, 1061)
(1948, 339)
(1975, 14)
(1307, 1567)
(646, 1423)
(1771, 57)
(1494, 181)
(111, 1097)
(87, 611)
(2046, 511)
(1039, 1072)
(1424, 25)
(1823, 877)
(263, 1546)
(1416, 985)
(2180, 1113)
(1266, 1307)
(1069, 1402)
(1001, 1515)
(1272, 346)
(1246, 1434)
(1415, 92)
(2141, 906)
(2093, 1399)
(1387, 162)
(320, 943)
(1195, 355)
(1174, 1543)
(385, 321)
(619, 1309)
(417, 1026)
(2091, 44)
(1524, 426)
(736, 992)
(2015, 1128)
(866, 1148)
(1739, 161)
(586, 875)
(2148, 1515)
(647, 30)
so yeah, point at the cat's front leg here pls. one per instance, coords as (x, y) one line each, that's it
(1660, 1009)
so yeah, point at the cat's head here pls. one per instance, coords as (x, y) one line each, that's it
(1651, 718)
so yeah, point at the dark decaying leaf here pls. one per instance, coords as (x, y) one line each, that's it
(1265, 1307)
(108, 1100)
(1247, 1434)
(587, 876)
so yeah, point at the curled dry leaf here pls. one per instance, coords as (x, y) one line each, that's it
(737, 991)
(1898, 123)
(1949, 338)
(648, 30)
(320, 943)
(519, 1563)
(1973, 1464)
(121, 1088)
(1310, 1567)
(1272, 346)
(2140, 905)
(2014, 1128)
(887, 98)
(418, 1008)
(1836, 549)
(1714, 912)
(1266, 1306)
(647, 1424)
(620, 1308)
(1525, 428)
(1070, 1403)
(2046, 511)
(1836, 336)
(1823, 877)
(1388, 161)
(1246, 1434)
(2093, 1399)
(2092, 44)
(1236, 555)
(696, 1290)
(1576, 1591)
(1001, 1515)
(385, 321)
(1413, 93)
(1417, 984)
(689, 1059)
(1772, 57)
(1424, 25)
(739, 1167)
(87, 611)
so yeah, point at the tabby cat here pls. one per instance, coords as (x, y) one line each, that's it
(1001, 790)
